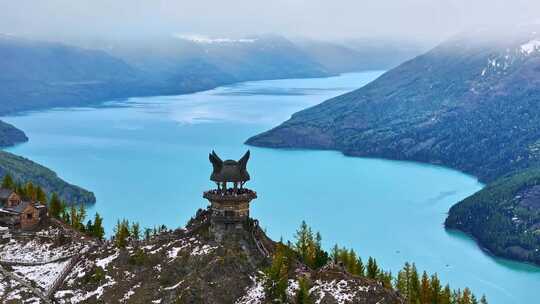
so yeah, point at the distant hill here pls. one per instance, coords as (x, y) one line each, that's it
(469, 104)
(9, 135)
(359, 55)
(25, 170)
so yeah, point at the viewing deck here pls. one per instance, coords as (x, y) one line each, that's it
(230, 195)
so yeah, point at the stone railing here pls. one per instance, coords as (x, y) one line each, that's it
(230, 195)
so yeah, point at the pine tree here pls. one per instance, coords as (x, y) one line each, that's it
(81, 216)
(414, 282)
(361, 268)
(466, 296)
(55, 206)
(302, 295)
(435, 289)
(425, 292)
(135, 231)
(41, 196)
(31, 192)
(73, 216)
(7, 182)
(303, 236)
(372, 268)
(121, 233)
(402, 283)
(446, 296)
(275, 285)
(97, 230)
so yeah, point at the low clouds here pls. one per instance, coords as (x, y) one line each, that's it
(425, 20)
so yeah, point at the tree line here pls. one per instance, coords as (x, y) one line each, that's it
(307, 248)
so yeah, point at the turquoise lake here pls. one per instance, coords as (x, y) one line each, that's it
(146, 159)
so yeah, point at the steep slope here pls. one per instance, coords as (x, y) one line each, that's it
(504, 216)
(470, 103)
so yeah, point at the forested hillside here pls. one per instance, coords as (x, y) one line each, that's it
(472, 103)
(469, 104)
(25, 170)
(504, 216)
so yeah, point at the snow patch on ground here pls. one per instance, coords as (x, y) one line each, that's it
(81, 296)
(254, 294)
(43, 275)
(106, 261)
(130, 292)
(35, 251)
(339, 290)
(205, 249)
(174, 286)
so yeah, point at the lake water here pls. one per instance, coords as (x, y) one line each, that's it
(146, 159)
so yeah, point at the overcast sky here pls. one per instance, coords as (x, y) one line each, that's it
(427, 20)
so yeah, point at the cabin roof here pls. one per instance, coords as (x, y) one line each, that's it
(5, 193)
(20, 207)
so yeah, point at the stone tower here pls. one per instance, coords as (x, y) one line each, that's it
(229, 202)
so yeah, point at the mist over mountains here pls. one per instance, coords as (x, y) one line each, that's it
(40, 74)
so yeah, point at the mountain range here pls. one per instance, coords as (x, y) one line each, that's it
(39, 74)
(471, 103)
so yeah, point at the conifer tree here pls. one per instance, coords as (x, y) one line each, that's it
(97, 229)
(402, 283)
(276, 283)
(302, 295)
(31, 192)
(81, 215)
(7, 182)
(361, 268)
(73, 216)
(55, 206)
(372, 268)
(435, 289)
(414, 282)
(135, 231)
(425, 292)
(466, 296)
(40, 195)
(446, 296)
(121, 233)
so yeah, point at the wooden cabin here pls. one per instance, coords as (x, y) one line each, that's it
(9, 198)
(15, 213)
